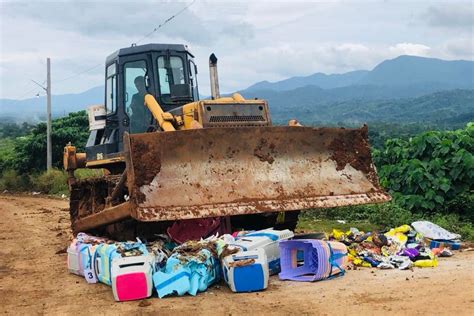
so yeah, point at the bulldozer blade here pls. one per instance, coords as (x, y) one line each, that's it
(233, 171)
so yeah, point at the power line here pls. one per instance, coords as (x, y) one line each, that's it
(144, 37)
(77, 74)
(133, 44)
(29, 92)
(164, 23)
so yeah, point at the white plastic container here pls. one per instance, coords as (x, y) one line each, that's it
(268, 240)
(73, 259)
(247, 278)
(79, 257)
(132, 277)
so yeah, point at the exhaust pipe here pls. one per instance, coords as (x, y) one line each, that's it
(214, 79)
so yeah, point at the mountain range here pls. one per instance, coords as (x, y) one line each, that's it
(399, 72)
(381, 94)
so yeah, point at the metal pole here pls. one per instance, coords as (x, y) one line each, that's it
(49, 160)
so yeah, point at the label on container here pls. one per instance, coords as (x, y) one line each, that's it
(90, 276)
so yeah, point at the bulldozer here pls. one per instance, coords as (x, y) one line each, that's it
(168, 157)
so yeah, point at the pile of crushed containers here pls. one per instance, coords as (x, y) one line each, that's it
(245, 260)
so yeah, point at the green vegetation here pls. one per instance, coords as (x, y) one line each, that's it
(30, 149)
(317, 224)
(23, 154)
(314, 106)
(427, 172)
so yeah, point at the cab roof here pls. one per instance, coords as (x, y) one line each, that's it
(145, 48)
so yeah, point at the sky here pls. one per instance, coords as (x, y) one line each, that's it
(254, 40)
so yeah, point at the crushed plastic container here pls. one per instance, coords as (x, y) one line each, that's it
(246, 271)
(80, 253)
(103, 257)
(189, 274)
(106, 253)
(132, 277)
(321, 259)
(266, 239)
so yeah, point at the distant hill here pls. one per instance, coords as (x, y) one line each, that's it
(422, 74)
(318, 79)
(409, 70)
(446, 108)
(35, 108)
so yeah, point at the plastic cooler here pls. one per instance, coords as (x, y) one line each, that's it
(79, 257)
(103, 257)
(132, 277)
(247, 278)
(268, 240)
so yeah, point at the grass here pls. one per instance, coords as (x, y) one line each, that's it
(53, 182)
(327, 225)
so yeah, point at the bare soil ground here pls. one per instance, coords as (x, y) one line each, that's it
(34, 280)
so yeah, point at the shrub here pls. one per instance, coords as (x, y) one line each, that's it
(390, 215)
(12, 181)
(429, 171)
(51, 182)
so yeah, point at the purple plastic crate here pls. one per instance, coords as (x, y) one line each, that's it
(311, 260)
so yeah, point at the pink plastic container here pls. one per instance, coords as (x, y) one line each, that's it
(132, 277)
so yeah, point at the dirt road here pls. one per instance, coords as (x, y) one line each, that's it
(34, 280)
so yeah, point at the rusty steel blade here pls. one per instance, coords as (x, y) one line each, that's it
(233, 171)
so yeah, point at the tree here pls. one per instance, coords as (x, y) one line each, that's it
(31, 149)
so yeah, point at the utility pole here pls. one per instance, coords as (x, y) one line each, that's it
(49, 152)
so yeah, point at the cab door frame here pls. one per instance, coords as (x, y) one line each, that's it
(123, 116)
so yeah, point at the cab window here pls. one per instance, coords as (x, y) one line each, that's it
(135, 73)
(111, 89)
(170, 72)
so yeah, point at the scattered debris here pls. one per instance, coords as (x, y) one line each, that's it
(245, 260)
(401, 247)
(144, 303)
(61, 251)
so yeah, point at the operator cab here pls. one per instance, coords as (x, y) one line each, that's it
(167, 71)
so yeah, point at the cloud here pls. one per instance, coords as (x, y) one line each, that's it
(118, 19)
(460, 47)
(410, 49)
(452, 15)
(254, 40)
